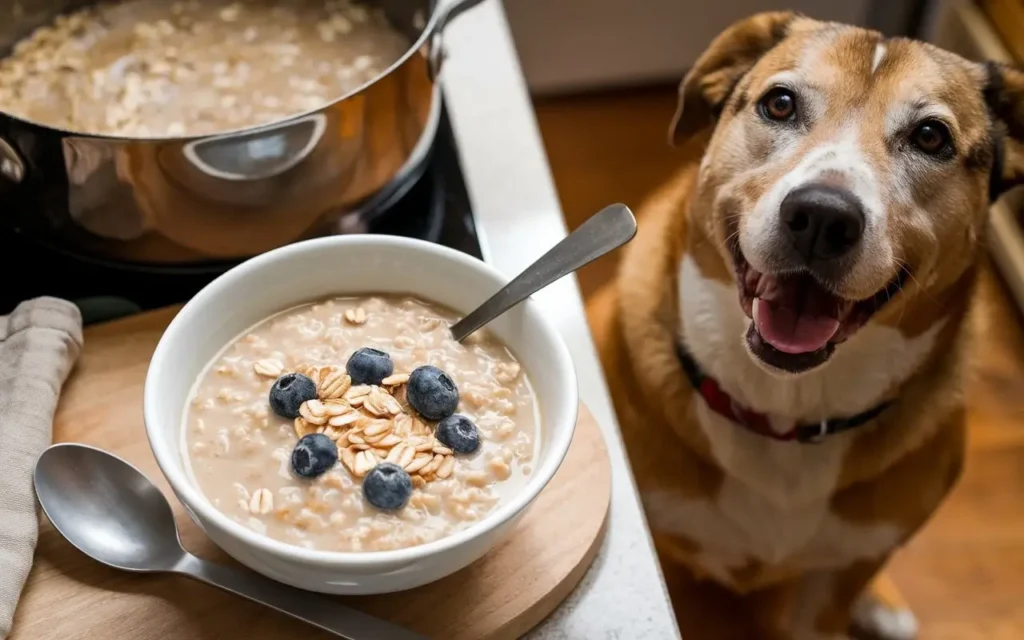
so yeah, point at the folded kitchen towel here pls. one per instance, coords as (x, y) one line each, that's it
(39, 343)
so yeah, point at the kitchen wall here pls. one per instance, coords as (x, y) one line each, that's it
(570, 45)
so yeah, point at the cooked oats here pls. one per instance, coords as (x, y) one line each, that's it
(355, 316)
(262, 502)
(334, 384)
(144, 68)
(269, 367)
(253, 482)
(395, 380)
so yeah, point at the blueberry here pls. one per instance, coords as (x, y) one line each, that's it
(432, 393)
(289, 392)
(314, 455)
(458, 433)
(369, 366)
(387, 486)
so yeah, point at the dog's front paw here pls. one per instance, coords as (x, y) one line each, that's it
(877, 620)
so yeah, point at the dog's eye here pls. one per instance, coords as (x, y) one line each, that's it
(778, 104)
(931, 137)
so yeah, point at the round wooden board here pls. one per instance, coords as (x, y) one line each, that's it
(503, 595)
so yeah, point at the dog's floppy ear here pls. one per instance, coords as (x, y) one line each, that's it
(1004, 94)
(712, 79)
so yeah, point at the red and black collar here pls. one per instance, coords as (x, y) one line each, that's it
(723, 404)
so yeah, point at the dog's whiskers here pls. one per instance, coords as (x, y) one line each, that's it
(905, 268)
(725, 243)
(904, 271)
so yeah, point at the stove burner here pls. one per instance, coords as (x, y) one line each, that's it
(419, 212)
(435, 208)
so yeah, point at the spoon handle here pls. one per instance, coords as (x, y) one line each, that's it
(316, 609)
(606, 230)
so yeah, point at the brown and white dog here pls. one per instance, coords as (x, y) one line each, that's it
(785, 343)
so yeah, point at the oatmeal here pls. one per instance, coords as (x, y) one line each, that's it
(359, 424)
(157, 67)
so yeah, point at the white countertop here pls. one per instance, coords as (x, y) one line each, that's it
(519, 217)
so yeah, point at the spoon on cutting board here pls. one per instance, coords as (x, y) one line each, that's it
(603, 232)
(110, 511)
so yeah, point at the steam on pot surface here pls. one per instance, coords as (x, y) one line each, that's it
(156, 68)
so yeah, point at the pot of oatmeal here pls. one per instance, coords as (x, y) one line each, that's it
(177, 132)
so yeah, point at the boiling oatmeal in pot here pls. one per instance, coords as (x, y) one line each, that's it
(176, 67)
(360, 424)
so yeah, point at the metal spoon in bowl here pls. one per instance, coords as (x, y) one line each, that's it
(111, 512)
(605, 231)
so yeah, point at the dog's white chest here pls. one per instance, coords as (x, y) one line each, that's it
(773, 507)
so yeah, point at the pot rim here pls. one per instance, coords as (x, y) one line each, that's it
(430, 27)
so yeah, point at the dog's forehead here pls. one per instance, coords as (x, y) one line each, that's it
(862, 65)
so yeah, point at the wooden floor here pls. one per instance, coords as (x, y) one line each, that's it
(964, 575)
(606, 149)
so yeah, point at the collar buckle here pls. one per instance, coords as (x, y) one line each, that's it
(820, 435)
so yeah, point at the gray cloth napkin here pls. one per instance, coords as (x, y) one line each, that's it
(39, 343)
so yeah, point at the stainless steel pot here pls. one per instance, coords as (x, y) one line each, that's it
(181, 201)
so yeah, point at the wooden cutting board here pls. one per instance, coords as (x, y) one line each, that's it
(504, 594)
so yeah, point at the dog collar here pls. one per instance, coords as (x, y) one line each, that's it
(723, 404)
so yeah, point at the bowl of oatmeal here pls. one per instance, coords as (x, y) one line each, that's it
(314, 415)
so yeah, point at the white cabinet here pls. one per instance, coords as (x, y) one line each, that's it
(566, 45)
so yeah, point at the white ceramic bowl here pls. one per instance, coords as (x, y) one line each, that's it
(349, 265)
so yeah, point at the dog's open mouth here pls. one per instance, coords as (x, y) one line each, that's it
(797, 322)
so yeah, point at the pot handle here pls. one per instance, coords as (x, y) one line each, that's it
(446, 12)
(12, 168)
(260, 154)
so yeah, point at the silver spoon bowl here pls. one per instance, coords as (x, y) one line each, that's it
(110, 511)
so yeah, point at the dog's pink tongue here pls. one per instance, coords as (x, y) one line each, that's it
(795, 315)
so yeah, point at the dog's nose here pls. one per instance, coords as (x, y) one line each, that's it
(824, 222)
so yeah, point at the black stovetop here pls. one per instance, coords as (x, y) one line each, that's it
(435, 208)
